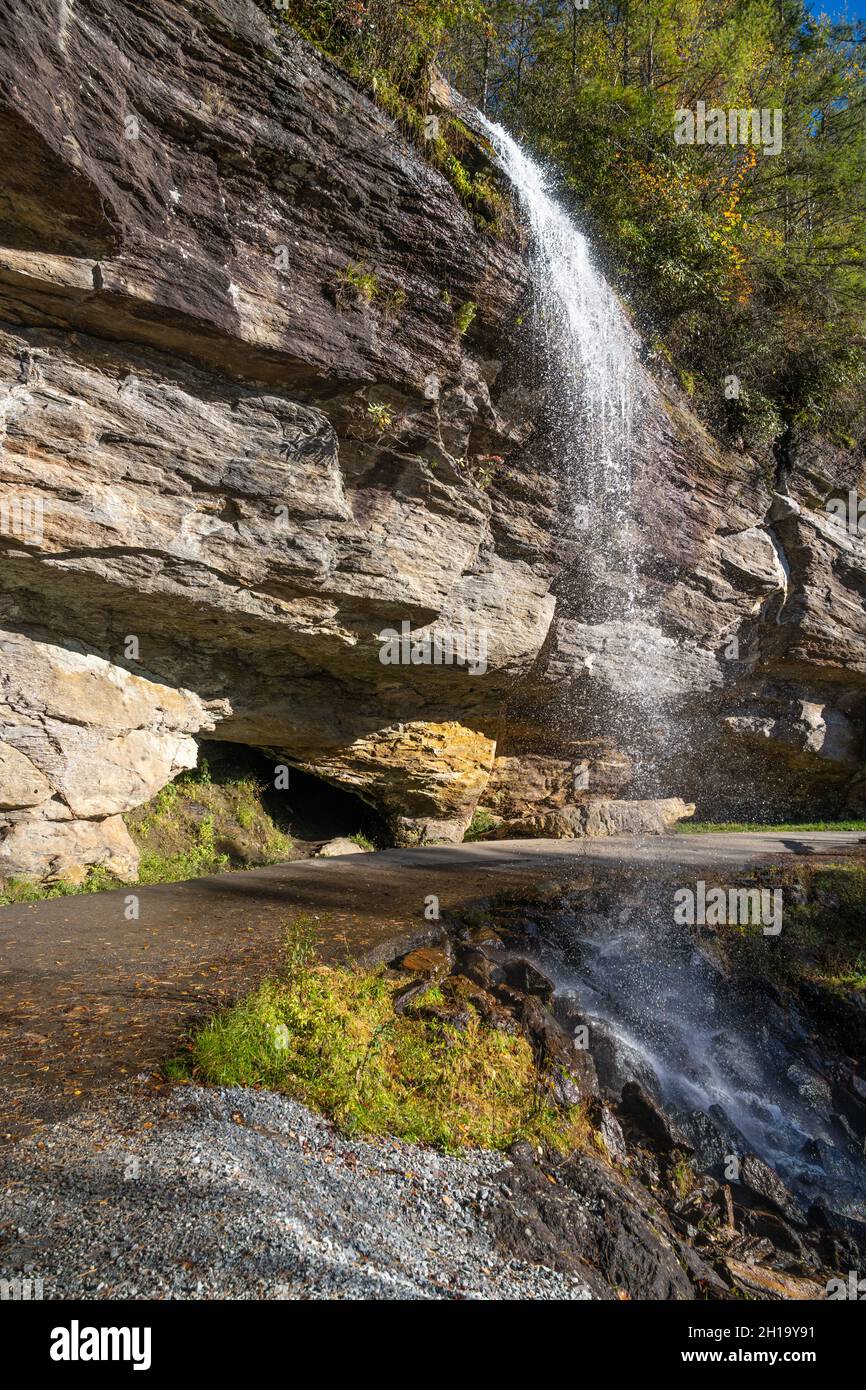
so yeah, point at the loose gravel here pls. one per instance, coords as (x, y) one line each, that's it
(195, 1194)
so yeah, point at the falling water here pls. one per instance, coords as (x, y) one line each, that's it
(597, 395)
(695, 1039)
(594, 372)
(669, 1012)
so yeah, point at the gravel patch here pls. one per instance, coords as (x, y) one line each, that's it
(194, 1193)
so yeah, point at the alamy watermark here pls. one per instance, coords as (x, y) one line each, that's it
(720, 907)
(850, 511)
(77, 1343)
(22, 1290)
(23, 517)
(853, 1287)
(738, 126)
(446, 647)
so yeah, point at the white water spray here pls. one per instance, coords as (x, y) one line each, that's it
(597, 398)
(595, 375)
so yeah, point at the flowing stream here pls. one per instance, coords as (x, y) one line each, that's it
(737, 1072)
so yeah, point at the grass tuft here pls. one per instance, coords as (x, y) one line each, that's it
(481, 824)
(329, 1037)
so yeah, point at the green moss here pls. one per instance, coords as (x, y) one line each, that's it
(362, 841)
(823, 939)
(330, 1038)
(459, 176)
(23, 890)
(464, 316)
(394, 302)
(202, 823)
(381, 415)
(356, 284)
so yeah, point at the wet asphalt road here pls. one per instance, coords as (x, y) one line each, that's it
(90, 994)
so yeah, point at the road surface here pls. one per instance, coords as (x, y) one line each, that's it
(90, 993)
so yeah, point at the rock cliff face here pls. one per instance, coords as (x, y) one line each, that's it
(243, 434)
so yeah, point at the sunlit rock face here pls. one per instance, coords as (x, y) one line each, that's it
(230, 463)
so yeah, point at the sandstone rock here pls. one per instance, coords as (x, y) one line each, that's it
(429, 961)
(21, 784)
(755, 1280)
(65, 849)
(594, 819)
(339, 846)
(215, 486)
(194, 412)
(82, 740)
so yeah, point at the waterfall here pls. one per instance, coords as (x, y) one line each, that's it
(739, 1076)
(592, 360)
(597, 394)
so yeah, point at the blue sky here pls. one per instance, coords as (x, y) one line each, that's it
(854, 9)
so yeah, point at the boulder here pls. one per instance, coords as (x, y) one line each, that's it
(648, 1118)
(339, 846)
(759, 1185)
(570, 1069)
(593, 1220)
(429, 961)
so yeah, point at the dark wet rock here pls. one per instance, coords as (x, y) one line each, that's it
(726, 1056)
(485, 936)
(759, 1186)
(810, 1087)
(617, 1063)
(841, 1241)
(641, 1112)
(713, 1137)
(450, 1013)
(610, 1130)
(479, 967)
(836, 1020)
(570, 1069)
(402, 998)
(526, 977)
(488, 1007)
(849, 1107)
(587, 1218)
(646, 1166)
(522, 1154)
(493, 1012)
(830, 1160)
(772, 1227)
